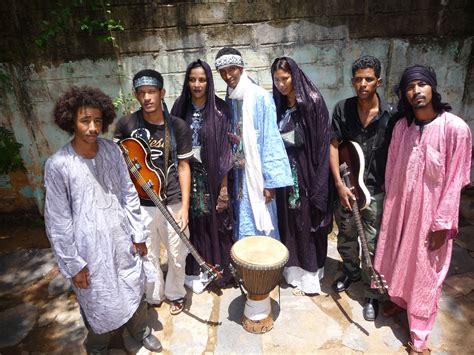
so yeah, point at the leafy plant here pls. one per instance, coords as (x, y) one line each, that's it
(10, 158)
(125, 104)
(101, 24)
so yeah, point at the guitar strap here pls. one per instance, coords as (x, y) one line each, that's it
(170, 142)
(167, 148)
(383, 122)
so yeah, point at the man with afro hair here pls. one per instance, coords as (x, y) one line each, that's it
(93, 221)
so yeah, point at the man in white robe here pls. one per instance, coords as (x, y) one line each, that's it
(93, 222)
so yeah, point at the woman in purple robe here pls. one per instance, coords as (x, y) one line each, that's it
(304, 210)
(210, 221)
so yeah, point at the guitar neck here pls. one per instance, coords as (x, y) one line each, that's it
(360, 231)
(166, 213)
(378, 279)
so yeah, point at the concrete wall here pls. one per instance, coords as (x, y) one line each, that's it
(323, 36)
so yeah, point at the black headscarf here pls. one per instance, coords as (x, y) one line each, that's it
(422, 73)
(214, 128)
(315, 123)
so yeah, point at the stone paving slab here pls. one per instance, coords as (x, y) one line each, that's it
(16, 323)
(20, 268)
(211, 321)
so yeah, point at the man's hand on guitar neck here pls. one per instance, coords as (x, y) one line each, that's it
(182, 218)
(344, 195)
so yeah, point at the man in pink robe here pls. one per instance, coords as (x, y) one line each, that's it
(428, 164)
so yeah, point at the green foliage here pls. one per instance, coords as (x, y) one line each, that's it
(100, 24)
(124, 104)
(10, 158)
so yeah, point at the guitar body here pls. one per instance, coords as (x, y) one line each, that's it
(139, 154)
(148, 182)
(351, 153)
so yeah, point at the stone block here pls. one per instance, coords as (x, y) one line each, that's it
(463, 283)
(461, 261)
(302, 311)
(323, 76)
(141, 16)
(320, 53)
(16, 323)
(310, 32)
(231, 335)
(353, 338)
(250, 12)
(38, 92)
(265, 79)
(20, 268)
(207, 14)
(276, 32)
(59, 285)
(466, 207)
(225, 35)
(344, 7)
(400, 26)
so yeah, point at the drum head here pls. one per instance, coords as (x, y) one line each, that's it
(259, 252)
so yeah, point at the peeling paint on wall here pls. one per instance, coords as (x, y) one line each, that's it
(323, 39)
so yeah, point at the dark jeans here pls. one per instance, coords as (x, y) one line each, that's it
(348, 243)
(136, 326)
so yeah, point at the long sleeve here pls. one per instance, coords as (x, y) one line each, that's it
(275, 164)
(319, 151)
(59, 219)
(131, 202)
(393, 150)
(457, 175)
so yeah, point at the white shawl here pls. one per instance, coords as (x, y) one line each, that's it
(253, 166)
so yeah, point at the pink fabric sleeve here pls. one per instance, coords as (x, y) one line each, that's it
(393, 149)
(458, 158)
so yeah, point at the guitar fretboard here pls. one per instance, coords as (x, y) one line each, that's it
(148, 188)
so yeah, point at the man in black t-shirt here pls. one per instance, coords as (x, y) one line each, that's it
(169, 140)
(368, 120)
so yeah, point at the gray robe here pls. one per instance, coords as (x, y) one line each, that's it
(92, 215)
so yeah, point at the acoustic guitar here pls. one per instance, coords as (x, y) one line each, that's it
(148, 180)
(351, 168)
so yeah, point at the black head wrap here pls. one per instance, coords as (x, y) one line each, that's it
(213, 137)
(314, 119)
(418, 72)
(422, 73)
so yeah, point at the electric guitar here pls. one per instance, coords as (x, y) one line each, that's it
(148, 180)
(351, 168)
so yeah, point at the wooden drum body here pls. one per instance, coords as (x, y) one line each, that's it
(259, 261)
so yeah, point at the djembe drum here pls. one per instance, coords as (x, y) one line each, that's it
(259, 262)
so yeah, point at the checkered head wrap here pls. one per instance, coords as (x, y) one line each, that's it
(227, 57)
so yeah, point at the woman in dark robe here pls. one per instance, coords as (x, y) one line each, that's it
(209, 223)
(304, 210)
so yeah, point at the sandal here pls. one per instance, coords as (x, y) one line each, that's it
(177, 306)
(298, 292)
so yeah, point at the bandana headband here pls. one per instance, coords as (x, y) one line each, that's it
(147, 80)
(228, 60)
